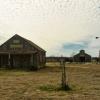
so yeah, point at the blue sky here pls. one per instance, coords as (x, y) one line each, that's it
(61, 27)
(75, 46)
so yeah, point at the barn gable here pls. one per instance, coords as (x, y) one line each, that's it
(19, 43)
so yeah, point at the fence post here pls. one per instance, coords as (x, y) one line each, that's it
(63, 83)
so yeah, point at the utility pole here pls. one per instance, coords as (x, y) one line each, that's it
(99, 56)
(99, 51)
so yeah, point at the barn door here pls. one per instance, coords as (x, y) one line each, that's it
(82, 59)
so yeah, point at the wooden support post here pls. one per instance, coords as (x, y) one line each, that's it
(9, 62)
(63, 73)
(99, 56)
(31, 60)
(0, 61)
(35, 62)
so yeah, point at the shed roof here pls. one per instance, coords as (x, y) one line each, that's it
(82, 52)
(30, 42)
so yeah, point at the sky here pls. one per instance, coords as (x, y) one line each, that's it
(61, 27)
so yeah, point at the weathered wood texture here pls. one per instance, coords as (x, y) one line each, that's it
(22, 53)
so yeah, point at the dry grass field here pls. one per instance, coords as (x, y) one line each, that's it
(83, 79)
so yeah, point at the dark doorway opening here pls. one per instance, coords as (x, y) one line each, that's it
(0, 61)
(4, 60)
(20, 60)
(82, 59)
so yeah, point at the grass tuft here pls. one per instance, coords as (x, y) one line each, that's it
(54, 88)
(66, 88)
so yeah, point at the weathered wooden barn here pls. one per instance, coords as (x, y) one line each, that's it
(18, 52)
(82, 57)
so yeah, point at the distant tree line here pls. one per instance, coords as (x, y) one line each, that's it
(68, 59)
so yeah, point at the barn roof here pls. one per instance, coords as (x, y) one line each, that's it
(30, 42)
(82, 52)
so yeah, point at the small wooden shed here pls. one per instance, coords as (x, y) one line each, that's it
(82, 57)
(18, 52)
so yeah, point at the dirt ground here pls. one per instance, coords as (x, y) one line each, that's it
(83, 79)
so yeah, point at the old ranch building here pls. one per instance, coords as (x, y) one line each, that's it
(82, 57)
(19, 52)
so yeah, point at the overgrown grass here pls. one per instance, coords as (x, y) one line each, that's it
(50, 87)
(15, 72)
(83, 81)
